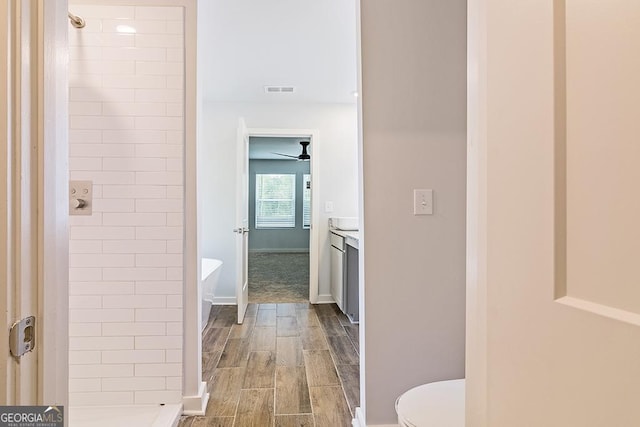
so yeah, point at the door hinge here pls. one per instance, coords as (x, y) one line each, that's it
(22, 336)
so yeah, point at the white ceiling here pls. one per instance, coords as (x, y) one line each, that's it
(264, 148)
(308, 44)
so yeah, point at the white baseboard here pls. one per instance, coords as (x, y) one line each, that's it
(280, 251)
(196, 405)
(359, 421)
(325, 299)
(224, 301)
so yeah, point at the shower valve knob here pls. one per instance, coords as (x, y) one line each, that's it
(80, 204)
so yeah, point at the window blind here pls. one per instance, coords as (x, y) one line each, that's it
(275, 200)
(306, 201)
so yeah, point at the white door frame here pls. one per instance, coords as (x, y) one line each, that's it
(314, 240)
(36, 224)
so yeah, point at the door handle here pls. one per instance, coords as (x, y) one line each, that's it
(241, 230)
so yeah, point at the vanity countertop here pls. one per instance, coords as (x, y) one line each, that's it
(351, 238)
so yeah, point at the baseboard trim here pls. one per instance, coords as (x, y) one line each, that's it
(279, 251)
(359, 421)
(325, 299)
(224, 301)
(196, 405)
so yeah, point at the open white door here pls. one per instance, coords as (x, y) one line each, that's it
(554, 236)
(242, 221)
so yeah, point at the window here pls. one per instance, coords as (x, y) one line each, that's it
(306, 201)
(275, 200)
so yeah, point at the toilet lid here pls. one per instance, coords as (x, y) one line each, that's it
(439, 404)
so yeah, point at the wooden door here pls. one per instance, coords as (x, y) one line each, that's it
(553, 326)
(242, 221)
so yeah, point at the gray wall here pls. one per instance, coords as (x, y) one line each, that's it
(281, 239)
(414, 130)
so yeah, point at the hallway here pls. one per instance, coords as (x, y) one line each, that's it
(289, 364)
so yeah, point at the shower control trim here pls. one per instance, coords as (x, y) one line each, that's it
(80, 197)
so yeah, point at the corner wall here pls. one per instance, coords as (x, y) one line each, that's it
(414, 136)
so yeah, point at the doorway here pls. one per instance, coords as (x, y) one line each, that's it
(279, 219)
(283, 216)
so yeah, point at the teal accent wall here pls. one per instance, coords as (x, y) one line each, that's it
(279, 239)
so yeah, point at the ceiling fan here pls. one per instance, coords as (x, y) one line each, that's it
(302, 156)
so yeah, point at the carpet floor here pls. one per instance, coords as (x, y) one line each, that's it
(278, 277)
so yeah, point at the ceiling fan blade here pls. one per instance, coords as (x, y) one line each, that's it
(285, 155)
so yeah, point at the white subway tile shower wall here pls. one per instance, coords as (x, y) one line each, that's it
(126, 135)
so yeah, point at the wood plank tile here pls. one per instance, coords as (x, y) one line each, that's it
(292, 391)
(212, 422)
(266, 307)
(289, 351)
(252, 310)
(287, 327)
(353, 332)
(294, 420)
(307, 318)
(260, 371)
(215, 309)
(263, 339)
(224, 391)
(286, 309)
(214, 339)
(320, 368)
(326, 309)
(350, 378)
(266, 318)
(329, 407)
(187, 421)
(235, 354)
(226, 317)
(244, 330)
(331, 326)
(343, 351)
(343, 319)
(209, 362)
(313, 339)
(255, 408)
(304, 306)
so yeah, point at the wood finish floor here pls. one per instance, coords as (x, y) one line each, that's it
(288, 365)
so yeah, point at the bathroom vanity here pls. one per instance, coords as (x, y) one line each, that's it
(345, 271)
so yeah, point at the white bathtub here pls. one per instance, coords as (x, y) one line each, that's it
(209, 280)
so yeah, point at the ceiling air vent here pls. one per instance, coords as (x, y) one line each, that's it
(279, 89)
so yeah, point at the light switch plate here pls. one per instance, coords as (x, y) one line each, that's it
(80, 197)
(423, 202)
(328, 207)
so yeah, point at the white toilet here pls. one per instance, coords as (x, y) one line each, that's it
(439, 404)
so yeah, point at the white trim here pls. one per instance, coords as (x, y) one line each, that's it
(197, 404)
(224, 300)
(53, 239)
(325, 299)
(314, 238)
(476, 340)
(359, 421)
